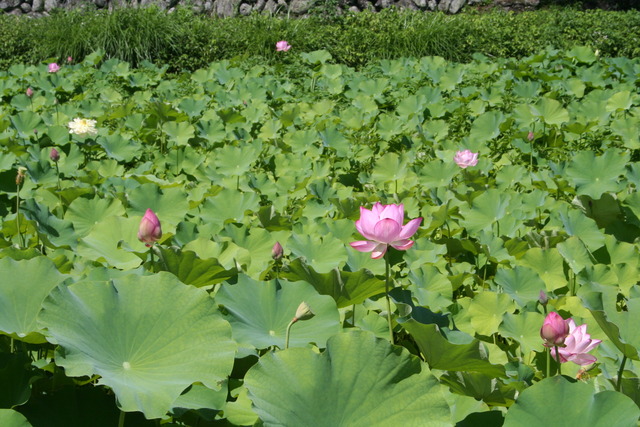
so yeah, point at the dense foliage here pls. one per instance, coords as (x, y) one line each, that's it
(227, 161)
(185, 41)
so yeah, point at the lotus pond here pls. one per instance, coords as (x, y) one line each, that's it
(305, 244)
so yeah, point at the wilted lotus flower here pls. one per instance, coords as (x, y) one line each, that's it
(303, 312)
(554, 330)
(150, 230)
(530, 136)
(466, 158)
(282, 46)
(54, 68)
(576, 346)
(29, 92)
(382, 226)
(277, 251)
(54, 155)
(83, 127)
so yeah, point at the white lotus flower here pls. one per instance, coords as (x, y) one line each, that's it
(83, 127)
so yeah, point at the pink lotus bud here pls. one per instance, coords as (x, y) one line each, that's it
(282, 46)
(150, 230)
(530, 136)
(69, 59)
(54, 68)
(543, 298)
(554, 330)
(54, 155)
(29, 92)
(277, 251)
(466, 158)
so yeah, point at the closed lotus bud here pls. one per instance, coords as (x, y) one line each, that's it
(554, 330)
(69, 59)
(277, 251)
(150, 230)
(303, 312)
(21, 174)
(54, 155)
(543, 298)
(530, 136)
(29, 92)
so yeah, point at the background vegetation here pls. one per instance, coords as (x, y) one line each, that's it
(186, 41)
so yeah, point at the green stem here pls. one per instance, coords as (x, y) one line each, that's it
(288, 333)
(558, 360)
(151, 255)
(22, 244)
(121, 419)
(620, 371)
(548, 362)
(386, 288)
(353, 316)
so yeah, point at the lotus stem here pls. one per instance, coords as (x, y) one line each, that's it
(121, 418)
(353, 316)
(558, 360)
(151, 256)
(386, 287)
(620, 372)
(288, 333)
(548, 362)
(21, 237)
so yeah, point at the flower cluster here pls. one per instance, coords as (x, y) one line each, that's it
(568, 342)
(83, 127)
(382, 226)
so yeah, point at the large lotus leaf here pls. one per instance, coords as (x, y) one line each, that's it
(575, 253)
(524, 328)
(430, 287)
(322, 254)
(487, 126)
(346, 288)
(169, 204)
(102, 243)
(180, 132)
(11, 418)
(85, 213)
(16, 376)
(389, 167)
(359, 380)
(550, 111)
(520, 283)
(50, 228)
(259, 313)
(557, 401)
(119, 147)
(594, 175)
(24, 286)
(228, 205)
(191, 270)
(487, 310)
(486, 209)
(147, 337)
(440, 353)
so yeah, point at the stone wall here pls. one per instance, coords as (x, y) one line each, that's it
(225, 8)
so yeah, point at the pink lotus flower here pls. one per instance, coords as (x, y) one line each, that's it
(29, 92)
(54, 155)
(382, 226)
(69, 59)
(277, 251)
(554, 330)
(576, 346)
(54, 68)
(282, 46)
(466, 158)
(150, 230)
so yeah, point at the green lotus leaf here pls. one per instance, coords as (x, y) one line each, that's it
(346, 288)
(25, 122)
(575, 254)
(323, 255)
(628, 128)
(594, 175)
(487, 310)
(550, 111)
(524, 328)
(440, 353)
(430, 287)
(620, 101)
(582, 54)
(16, 375)
(389, 167)
(169, 204)
(228, 205)
(191, 270)
(487, 209)
(549, 265)
(201, 399)
(11, 418)
(487, 126)
(520, 283)
(50, 228)
(364, 379)
(119, 148)
(148, 338)
(25, 285)
(102, 244)
(577, 403)
(259, 313)
(86, 213)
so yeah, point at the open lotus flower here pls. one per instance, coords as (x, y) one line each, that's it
(54, 68)
(282, 46)
(382, 226)
(466, 158)
(83, 127)
(150, 230)
(576, 346)
(554, 330)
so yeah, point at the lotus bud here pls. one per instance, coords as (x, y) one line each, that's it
(54, 155)
(277, 251)
(554, 330)
(303, 312)
(530, 136)
(150, 230)
(543, 298)
(29, 92)
(69, 59)
(54, 68)
(21, 174)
